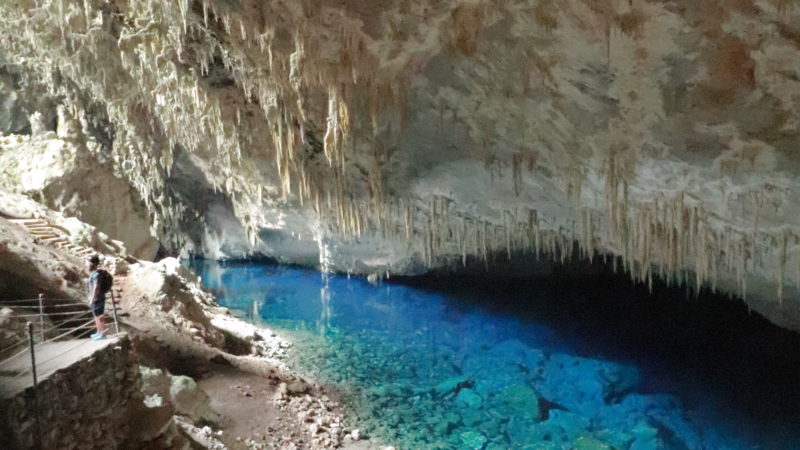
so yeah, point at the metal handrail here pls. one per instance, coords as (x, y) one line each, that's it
(61, 319)
(68, 313)
(35, 300)
(11, 302)
(50, 305)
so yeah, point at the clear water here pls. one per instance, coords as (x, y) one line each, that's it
(466, 367)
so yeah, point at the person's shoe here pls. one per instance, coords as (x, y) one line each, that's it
(94, 335)
(98, 336)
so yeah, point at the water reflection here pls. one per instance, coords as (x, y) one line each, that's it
(326, 312)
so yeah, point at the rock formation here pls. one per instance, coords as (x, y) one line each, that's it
(396, 136)
(67, 174)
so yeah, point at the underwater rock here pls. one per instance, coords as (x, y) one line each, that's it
(645, 437)
(472, 440)
(544, 445)
(521, 401)
(616, 439)
(581, 383)
(574, 426)
(589, 443)
(523, 430)
(468, 398)
(663, 409)
(509, 362)
(619, 380)
(451, 385)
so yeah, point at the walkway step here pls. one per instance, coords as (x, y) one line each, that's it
(53, 240)
(43, 233)
(31, 220)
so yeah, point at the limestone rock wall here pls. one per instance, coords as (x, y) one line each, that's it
(12, 116)
(397, 135)
(29, 266)
(68, 174)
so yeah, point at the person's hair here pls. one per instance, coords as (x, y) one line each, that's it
(94, 260)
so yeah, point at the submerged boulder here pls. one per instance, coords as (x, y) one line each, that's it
(580, 383)
(473, 440)
(469, 399)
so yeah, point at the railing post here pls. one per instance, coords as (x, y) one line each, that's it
(37, 440)
(41, 316)
(114, 309)
(33, 354)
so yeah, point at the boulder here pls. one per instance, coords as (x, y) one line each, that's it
(520, 401)
(590, 443)
(154, 381)
(153, 419)
(12, 329)
(473, 440)
(645, 437)
(450, 385)
(469, 399)
(190, 400)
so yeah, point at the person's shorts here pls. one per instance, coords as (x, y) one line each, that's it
(98, 308)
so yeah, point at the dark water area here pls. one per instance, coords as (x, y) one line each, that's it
(556, 362)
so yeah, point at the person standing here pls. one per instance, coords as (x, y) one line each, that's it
(96, 291)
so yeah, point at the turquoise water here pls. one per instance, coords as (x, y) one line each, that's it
(472, 365)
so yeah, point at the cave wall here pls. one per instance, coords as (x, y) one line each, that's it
(397, 135)
(68, 174)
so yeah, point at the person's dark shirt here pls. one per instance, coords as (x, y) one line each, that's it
(94, 278)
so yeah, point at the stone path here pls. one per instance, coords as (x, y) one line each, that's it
(50, 357)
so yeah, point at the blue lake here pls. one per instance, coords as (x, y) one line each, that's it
(496, 365)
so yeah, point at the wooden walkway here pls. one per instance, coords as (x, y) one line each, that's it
(50, 356)
(15, 373)
(45, 233)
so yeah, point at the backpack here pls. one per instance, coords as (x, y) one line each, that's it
(105, 280)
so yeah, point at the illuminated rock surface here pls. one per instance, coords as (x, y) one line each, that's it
(394, 135)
